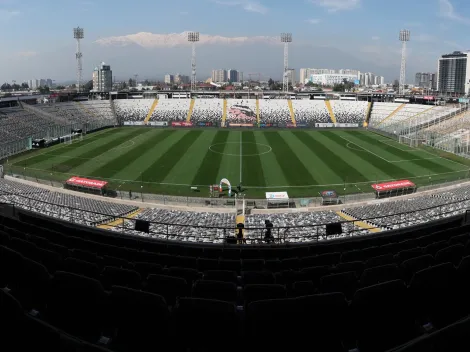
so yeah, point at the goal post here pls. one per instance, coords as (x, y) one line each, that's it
(73, 138)
(411, 142)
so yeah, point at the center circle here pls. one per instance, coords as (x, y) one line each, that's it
(219, 149)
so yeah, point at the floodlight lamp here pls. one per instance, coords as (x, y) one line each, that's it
(286, 37)
(404, 35)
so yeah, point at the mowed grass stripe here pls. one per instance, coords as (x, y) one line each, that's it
(121, 161)
(63, 149)
(93, 153)
(252, 171)
(332, 160)
(431, 165)
(163, 165)
(391, 169)
(293, 169)
(210, 165)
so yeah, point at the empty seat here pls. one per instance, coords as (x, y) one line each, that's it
(33, 285)
(112, 276)
(258, 277)
(320, 260)
(343, 282)
(84, 255)
(408, 254)
(25, 248)
(315, 273)
(380, 260)
(379, 310)
(11, 322)
(11, 267)
(413, 265)
(302, 288)
(51, 260)
(107, 260)
(142, 320)
(253, 264)
(145, 269)
(357, 267)
(253, 293)
(452, 254)
(206, 324)
(436, 297)
(167, 286)
(230, 264)
(81, 267)
(433, 248)
(190, 275)
(205, 264)
(221, 275)
(76, 304)
(378, 274)
(219, 290)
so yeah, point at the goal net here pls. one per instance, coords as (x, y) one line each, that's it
(411, 141)
(73, 138)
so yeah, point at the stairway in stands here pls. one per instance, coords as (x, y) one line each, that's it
(368, 114)
(190, 111)
(152, 109)
(330, 110)
(224, 113)
(392, 114)
(292, 114)
(257, 111)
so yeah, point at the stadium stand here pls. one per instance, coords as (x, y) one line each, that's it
(349, 111)
(241, 111)
(274, 111)
(67, 287)
(380, 111)
(207, 110)
(309, 112)
(171, 110)
(134, 110)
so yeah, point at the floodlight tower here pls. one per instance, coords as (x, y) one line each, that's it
(404, 37)
(193, 38)
(78, 34)
(286, 38)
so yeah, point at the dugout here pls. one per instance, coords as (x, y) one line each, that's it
(277, 200)
(86, 185)
(329, 197)
(393, 189)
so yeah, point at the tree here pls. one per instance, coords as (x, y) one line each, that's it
(15, 86)
(396, 84)
(24, 86)
(60, 87)
(131, 82)
(270, 82)
(44, 90)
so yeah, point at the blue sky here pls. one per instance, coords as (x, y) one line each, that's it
(361, 34)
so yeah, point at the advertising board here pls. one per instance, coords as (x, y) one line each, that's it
(181, 124)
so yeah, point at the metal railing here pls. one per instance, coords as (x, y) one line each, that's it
(125, 225)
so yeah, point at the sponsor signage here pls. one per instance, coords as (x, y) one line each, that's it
(85, 182)
(133, 123)
(277, 196)
(329, 194)
(268, 125)
(302, 125)
(347, 125)
(428, 97)
(157, 123)
(240, 125)
(323, 125)
(389, 186)
(181, 124)
(463, 100)
(205, 124)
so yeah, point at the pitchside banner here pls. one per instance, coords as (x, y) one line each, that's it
(181, 124)
(133, 123)
(340, 125)
(389, 186)
(240, 125)
(324, 125)
(157, 123)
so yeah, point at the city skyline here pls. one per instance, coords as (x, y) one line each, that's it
(137, 45)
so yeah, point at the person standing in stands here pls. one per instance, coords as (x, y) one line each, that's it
(268, 236)
(130, 194)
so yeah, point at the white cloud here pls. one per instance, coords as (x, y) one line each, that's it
(250, 6)
(375, 37)
(8, 14)
(337, 5)
(446, 10)
(27, 53)
(152, 40)
(313, 21)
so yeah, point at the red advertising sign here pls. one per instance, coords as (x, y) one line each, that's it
(84, 182)
(181, 124)
(389, 186)
(428, 97)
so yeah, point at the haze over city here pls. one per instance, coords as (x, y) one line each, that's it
(148, 37)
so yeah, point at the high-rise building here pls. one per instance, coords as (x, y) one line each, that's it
(181, 79)
(425, 80)
(454, 73)
(291, 75)
(102, 78)
(233, 75)
(219, 76)
(169, 79)
(305, 74)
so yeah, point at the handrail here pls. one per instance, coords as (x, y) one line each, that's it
(314, 228)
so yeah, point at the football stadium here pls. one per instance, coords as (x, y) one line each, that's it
(207, 221)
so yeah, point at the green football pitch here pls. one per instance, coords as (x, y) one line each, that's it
(301, 162)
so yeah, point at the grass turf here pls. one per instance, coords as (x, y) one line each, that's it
(301, 162)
